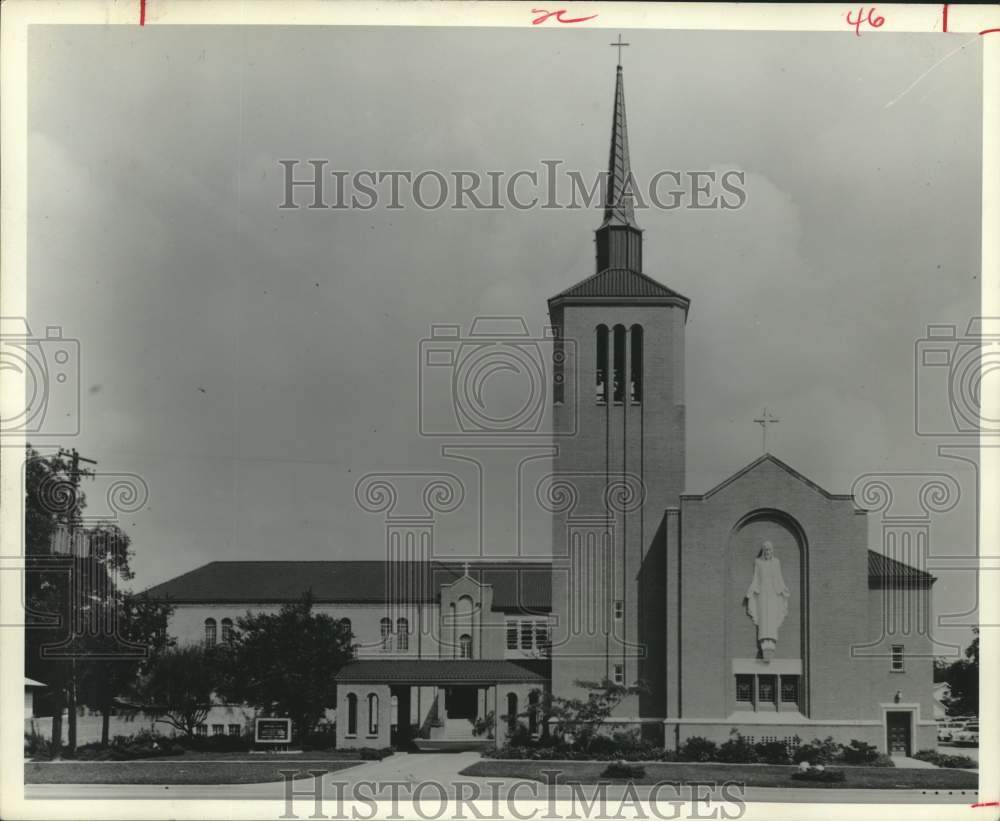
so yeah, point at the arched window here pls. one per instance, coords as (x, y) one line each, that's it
(533, 712)
(618, 376)
(352, 714)
(227, 630)
(636, 364)
(385, 627)
(465, 646)
(349, 630)
(372, 714)
(601, 368)
(511, 711)
(210, 636)
(402, 634)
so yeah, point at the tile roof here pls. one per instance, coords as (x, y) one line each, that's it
(437, 671)
(623, 283)
(516, 585)
(882, 570)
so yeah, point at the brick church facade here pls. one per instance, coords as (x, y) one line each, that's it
(755, 606)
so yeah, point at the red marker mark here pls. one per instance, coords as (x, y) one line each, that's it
(988, 31)
(987, 803)
(546, 14)
(874, 20)
(944, 19)
(142, 12)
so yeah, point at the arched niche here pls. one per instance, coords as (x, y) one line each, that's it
(791, 548)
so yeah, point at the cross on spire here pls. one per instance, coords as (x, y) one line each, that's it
(465, 568)
(764, 420)
(619, 44)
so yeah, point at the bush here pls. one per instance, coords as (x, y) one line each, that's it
(520, 736)
(818, 752)
(37, 746)
(945, 760)
(820, 776)
(859, 752)
(737, 750)
(319, 740)
(621, 769)
(374, 754)
(771, 752)
(698, 748)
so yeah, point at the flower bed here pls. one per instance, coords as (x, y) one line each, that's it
(624, 746)
(960, 762)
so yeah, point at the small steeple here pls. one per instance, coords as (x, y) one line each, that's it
(619, 238)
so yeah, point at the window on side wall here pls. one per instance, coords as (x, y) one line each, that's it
(527, 635)
(896, 663)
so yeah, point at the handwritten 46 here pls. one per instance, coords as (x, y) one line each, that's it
(874, 20)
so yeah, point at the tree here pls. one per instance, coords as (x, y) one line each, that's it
(284, 663)
(85, 636)
(962, 677)
(119, 659)
(584, 717)
(53, 501)
(177, 686)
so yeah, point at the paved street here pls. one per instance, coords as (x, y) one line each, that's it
(443, 768)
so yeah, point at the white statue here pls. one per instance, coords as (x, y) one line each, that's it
(767, 599)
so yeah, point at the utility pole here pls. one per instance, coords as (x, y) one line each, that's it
(75, 602)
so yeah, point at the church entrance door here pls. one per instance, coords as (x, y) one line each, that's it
(898, 730)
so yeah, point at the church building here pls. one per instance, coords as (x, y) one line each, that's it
(755, 606)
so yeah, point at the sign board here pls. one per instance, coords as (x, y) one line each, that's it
(273, 731)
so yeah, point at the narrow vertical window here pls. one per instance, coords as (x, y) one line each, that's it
(372, 714)
(210, 632)
(385, 629)
(558, 366)
(511, 712)
(619, 674)
(542, 637)
(227, 630)
(533, 712)
(465, 646)
(619, 609)
(527, 635)
(765, 690)
(402, 634)
(896, 664)
(511, 634)
(618, 377)
(352, 714)
(602, 363)
(349, 631)
(635, 383)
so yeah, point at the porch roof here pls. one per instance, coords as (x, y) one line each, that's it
(437, 671)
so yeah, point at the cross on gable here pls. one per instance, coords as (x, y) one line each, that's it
(765, 419)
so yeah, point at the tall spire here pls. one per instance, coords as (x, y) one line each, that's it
(619, 239)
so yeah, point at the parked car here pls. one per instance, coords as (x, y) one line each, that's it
(947, 729)
(968, 736)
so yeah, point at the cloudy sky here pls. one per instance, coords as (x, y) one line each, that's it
(252, 363)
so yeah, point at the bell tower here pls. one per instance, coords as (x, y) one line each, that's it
(619, 423)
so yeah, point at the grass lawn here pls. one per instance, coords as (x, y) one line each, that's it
(194, 768)
(589, 772)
